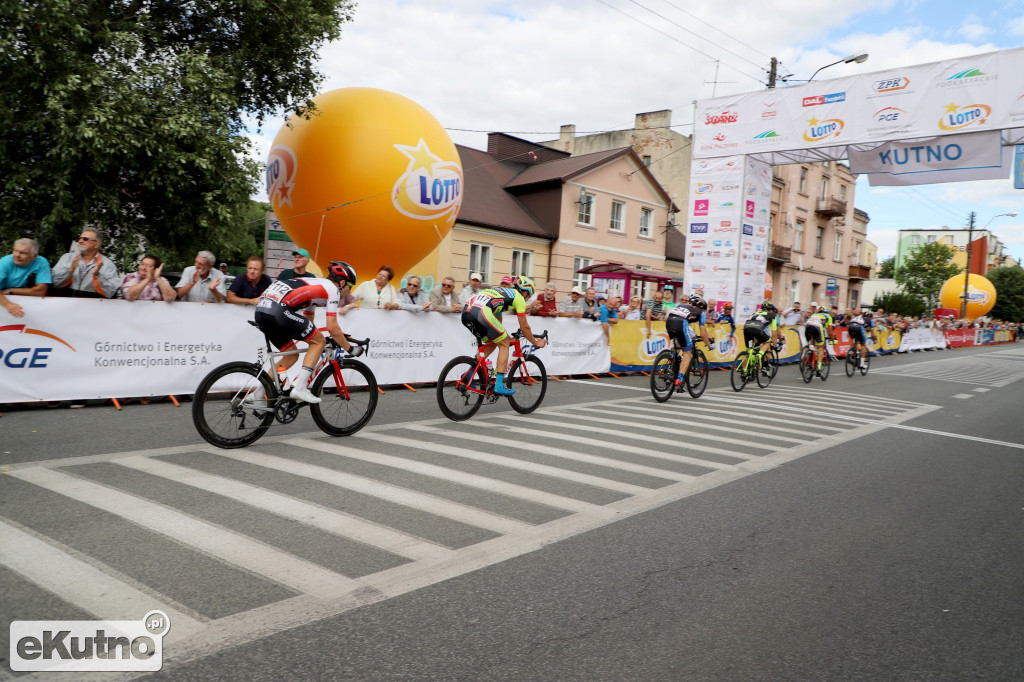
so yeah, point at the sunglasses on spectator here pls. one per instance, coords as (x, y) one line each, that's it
(87, 239)
(447, 285)
(412, 286)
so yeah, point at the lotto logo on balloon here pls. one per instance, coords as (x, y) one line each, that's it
(430, 188)
(280, 176)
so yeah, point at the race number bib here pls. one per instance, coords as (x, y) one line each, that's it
(276, 291)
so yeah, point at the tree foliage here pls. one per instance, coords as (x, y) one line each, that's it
(901, 303)
(924, 273)
(1009, 284)
(131, 115)
(887, 268)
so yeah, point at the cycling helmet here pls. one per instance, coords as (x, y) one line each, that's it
(341, 272)
(768, 306)
(525, 286)
(697, 301)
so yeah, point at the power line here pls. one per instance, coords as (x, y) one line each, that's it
(714, 28)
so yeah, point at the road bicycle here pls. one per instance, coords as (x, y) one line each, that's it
(854, 358)
(665, 372)
(236, 403)
(465, 382)
(809, 362)
(754, 365)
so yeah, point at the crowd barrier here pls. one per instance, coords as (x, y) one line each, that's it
(73, 349)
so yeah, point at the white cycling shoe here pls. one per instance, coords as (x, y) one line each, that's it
(304, 394)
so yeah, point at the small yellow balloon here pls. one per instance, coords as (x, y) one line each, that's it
(981, 295)
(370, 178)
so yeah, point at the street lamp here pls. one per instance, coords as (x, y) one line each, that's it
(967, 273)
(858, 57)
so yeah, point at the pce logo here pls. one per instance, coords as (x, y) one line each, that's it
(22, 357)
(956, 117)
(430, 188)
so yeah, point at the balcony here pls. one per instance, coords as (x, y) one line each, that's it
(831, 207)
(859, 272)
(779, 253)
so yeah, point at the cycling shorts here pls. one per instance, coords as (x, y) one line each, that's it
(283, 327)
(812, 334)
(483, 324)
(679, 330)
(755, 335)
(857, 333)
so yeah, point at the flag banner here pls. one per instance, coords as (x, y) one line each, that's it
(955, 158)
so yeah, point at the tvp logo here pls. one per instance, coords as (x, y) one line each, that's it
(21, 353)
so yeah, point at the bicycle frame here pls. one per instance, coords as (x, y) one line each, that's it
(482, 352)
(269, 365)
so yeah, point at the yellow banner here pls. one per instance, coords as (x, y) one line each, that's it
(633, 349)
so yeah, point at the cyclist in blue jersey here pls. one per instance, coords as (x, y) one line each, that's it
(677, 324)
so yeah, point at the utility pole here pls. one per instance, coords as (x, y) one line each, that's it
(967, 274)
(773, 72)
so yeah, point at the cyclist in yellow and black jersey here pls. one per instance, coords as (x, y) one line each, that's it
(818, 328)
(763, 327)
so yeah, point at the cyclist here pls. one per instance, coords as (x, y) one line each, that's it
(677, 324)
(818, 329)
(857, 325)
(482, 316)
(277, 318)
(762, 329)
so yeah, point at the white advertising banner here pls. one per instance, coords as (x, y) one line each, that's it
(956, 158)
(65, 349)
(753, 256)
(818, 120)
(715, 219)
(922, 339)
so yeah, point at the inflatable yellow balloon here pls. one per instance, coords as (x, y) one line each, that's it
(981, 295)
(370, 178)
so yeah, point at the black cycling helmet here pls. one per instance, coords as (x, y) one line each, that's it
(697, 301)
(768, 306)
(341, 272)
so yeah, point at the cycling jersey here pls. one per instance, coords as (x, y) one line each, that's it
(499, 299)
(677, 324)
(276, 312)
(482, 315)
(758, 328)
(690, 313)
(816, 325)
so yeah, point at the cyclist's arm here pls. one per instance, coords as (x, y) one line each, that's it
(335, 331)
(528, 333)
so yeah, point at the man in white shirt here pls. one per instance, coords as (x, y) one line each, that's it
(474, 287)
(792, 316)
(202, 283)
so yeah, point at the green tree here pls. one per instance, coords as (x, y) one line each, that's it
(131, 115)
(924, 273)
(887, 268)
(1009, 284)
(901, 303)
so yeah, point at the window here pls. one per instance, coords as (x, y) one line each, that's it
(646, 216)
(586, 216)
(522, 263)
(856, 254)
(480, 260)
(794, 291)
(932, 238)
(824, 164)
(824, 188)
(819, 237)
(580, 280)
(798, 238)
(837, 250)
(803, 181)
(915, 240)
(618, 211)
(842, 192)
(647, 159)
(853, 299)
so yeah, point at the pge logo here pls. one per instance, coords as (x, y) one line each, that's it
(430, 187)
(821, 130)
(957, 117)
(889, 115)
(15, 355)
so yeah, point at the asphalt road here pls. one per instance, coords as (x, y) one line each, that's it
(878, 534)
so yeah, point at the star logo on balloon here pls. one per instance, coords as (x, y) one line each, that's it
(281, 167)
(430, 187)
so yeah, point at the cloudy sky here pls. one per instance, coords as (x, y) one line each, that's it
(529, 66)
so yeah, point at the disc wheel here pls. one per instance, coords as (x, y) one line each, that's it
(346, 408)
(530, 381)
(663, 376)
(764, 372)
(739, 375)
(458, 399)
(865, 363)
(697, 374)
(807, 364)
(234, 405)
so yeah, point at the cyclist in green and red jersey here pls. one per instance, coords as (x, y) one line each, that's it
(819, 327)
(482, 316)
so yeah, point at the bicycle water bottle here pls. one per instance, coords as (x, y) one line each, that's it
(711, 346)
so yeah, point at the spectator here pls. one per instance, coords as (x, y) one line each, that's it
(246, 290)
(23, 273)
(792, 316)
(412, 298)
(572, 304)
(545, 304)
(378, 292)
(201, 283)
(654, 310)
(443, 299)
(84, 273)
(634, 311)
(474, 287)
(608, 314)
(223, 267)
(810, 311)
(725, 317)
(147, 284)
(298, 270)
(590, 305)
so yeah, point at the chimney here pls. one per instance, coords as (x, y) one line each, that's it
(566, 137)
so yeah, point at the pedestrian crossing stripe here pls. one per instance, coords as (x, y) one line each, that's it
(998, 369)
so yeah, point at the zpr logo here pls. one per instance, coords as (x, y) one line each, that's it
(24, 356)
(890, 84)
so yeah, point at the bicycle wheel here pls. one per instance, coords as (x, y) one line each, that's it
(764, 372)
(234, 405)
(865, 363)
(739, 375)
(851, 362)
(773, 361)
(530, 380)
(344, 409)
(457, 399)
(807, 364)
(663, 375)
(826, 364)
(697, 374)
